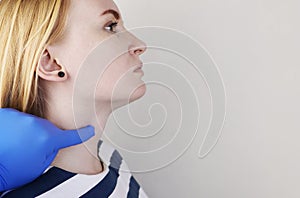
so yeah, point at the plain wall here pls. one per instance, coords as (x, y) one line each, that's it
(256, 47)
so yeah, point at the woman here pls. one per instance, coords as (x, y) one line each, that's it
(43, 46)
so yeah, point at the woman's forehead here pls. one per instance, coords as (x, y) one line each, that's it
(94, 5)
(91, 10)
(108, 4)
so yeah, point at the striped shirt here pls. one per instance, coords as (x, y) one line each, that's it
(115, 181)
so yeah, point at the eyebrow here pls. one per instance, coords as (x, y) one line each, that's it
(113, 12)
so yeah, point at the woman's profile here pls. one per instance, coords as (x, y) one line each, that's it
(43, 44)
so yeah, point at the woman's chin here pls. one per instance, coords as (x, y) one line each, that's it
(138, 93)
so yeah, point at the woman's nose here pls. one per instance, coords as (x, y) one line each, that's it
(137, 47)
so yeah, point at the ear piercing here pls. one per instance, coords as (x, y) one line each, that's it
(61, 74)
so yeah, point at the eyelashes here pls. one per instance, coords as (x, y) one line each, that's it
(111, 27)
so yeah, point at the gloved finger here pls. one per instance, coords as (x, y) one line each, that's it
(49, 160)
(72, 137)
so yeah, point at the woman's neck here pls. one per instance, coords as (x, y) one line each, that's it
(79, 159)
(82, 158)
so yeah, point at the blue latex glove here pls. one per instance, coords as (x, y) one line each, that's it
(28, 145)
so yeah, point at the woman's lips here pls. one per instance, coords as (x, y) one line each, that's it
(138, 68)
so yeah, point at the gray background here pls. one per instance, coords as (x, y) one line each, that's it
(256, 46)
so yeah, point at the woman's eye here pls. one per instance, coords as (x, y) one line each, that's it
(112, 27)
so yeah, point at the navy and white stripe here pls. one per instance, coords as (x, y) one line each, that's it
(113, 182)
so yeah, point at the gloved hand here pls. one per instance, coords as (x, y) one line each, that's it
(28, 145)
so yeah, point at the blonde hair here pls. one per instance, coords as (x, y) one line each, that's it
(27, 27)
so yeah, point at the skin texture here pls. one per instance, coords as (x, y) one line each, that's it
(117, 86)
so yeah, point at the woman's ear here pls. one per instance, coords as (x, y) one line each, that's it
(49, 69)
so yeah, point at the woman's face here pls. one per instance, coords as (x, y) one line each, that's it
(89, 24)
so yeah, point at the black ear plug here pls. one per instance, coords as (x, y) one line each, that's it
(61, 74)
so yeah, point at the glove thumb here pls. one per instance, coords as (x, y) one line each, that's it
(68, 138)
